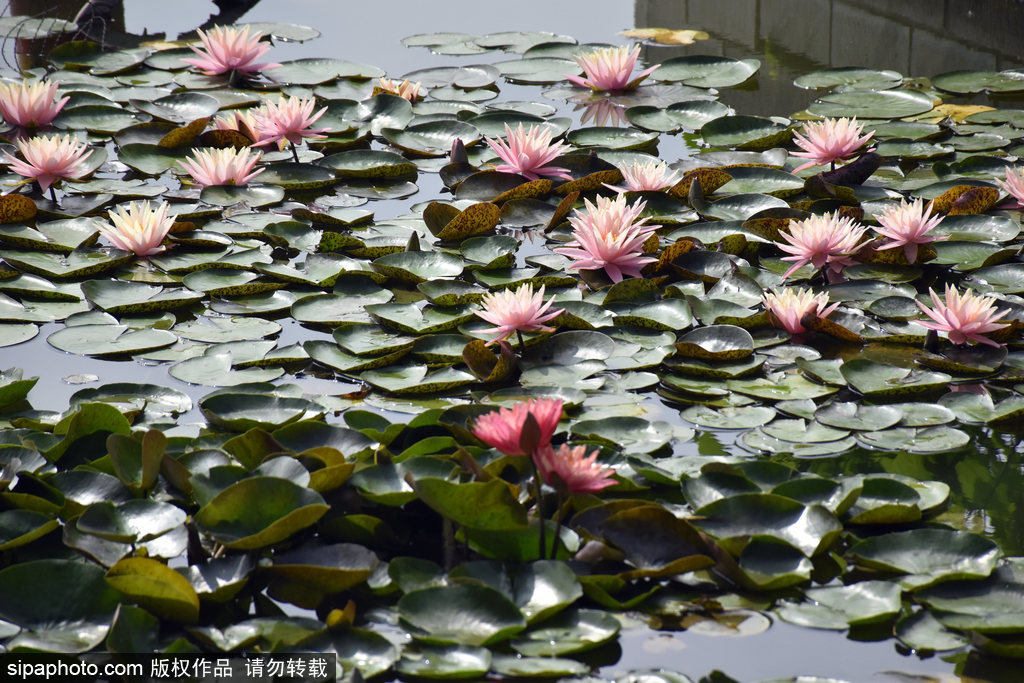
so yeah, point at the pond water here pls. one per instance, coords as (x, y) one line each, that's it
(790, 38)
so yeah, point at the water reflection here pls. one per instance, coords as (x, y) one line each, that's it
(986, 481)
(102, 21)
(791, 37)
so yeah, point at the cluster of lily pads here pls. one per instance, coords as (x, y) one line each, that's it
(412, 543)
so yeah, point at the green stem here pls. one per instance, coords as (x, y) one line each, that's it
(558, 527)
(538, 488)
(295, 153)
(522, 344)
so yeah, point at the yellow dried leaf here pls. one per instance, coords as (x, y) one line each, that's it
(667, 36)
(957, 112)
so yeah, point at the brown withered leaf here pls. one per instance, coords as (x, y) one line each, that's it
(476, 219)
(710, 179)
(588, 183)
(184, 135)
(16, 208)
(976, 200)
(672, 252)
(487, 365)
(973, 202)
(562, 210)
(224, 138)
(534, 188)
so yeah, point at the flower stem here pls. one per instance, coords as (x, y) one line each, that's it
(538, 492)
(522, 344)
(558, 527)
(295, 153)
(53, 194)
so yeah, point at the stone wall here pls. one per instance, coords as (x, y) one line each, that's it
(790, 37)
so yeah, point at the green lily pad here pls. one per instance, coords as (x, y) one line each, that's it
(416, 379)
(849, 78)
(717, 342)
(251, 195)
(611, 138)
(368, 163)
(98, 118)
(291, 176)
(964, 82)
(445, 663)
(921, 440)
(55, 236)
(858, 604)
(632, 434)
(181, 108)
(216, 369)
(991, 606)
(875, 379)
(744, 132)
(412, 319)
(928, 556)
(467, 614)
(743, 417)
(118, 298)
(706, 71)
(216, 330)
(259, 511)
(431, 139)
(733, 521)
(82, 262)
(313, 71)
(109, 340)
(872, 104)
(156, 587)
(240, 412)
(569, 632)
(922, 631)
(858, 417)
(418, 266)
(19, 527)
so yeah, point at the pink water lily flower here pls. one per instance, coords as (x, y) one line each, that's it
(222, 166)
(528, 152)
(1013, 186)
(610, 68)
(571, 470)
(30, 104)
(405, 89)
(241, 121)
(646, 176)
(609, 235)
(829, 141)
(287, 120)
(788, 306)
(907, 225)
(139, 227)
(503, 428)
(822, 240)
(49, 159)
(520, 311)
(965, 317)
(229, 49)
